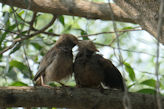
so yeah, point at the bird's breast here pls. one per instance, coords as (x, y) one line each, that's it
(60, 68)
(88, 73)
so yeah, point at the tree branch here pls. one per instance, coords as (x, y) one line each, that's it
(72, 98)
(145, 13)
(28, 36)
(140, 12)
(81, 8)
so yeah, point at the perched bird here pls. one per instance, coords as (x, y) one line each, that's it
(92, 69)
(57, 64)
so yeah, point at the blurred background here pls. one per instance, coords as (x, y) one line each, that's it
(19, 64)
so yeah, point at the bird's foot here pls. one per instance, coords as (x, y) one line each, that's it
(47, 86)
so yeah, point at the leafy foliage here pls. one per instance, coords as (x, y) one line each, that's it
(130, 70)
(147, 91)
(18, 83)
(22, 67)
(137, 51)
(149, 82)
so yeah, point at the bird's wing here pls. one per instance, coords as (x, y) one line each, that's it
(112, 76)
(46, 61)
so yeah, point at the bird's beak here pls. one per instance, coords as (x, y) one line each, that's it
(80, 42)
(96, 50)
(76, 42)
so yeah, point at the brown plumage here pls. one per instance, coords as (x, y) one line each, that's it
(57, 64)
(92, 69)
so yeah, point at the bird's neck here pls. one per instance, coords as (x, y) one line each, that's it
(86, 53)
(65, 44)
(65, 49)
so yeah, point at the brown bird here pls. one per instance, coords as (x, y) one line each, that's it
(92, 69)
(57, 64)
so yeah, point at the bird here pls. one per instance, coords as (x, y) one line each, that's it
(91, 70)
(57, 64)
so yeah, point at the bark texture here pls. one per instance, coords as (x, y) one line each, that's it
(81, 8)
(72, 98)
(145, 13)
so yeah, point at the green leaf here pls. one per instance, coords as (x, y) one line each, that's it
(12, 27)
(149, 82)
(50, 30)
(61, 19)
(17, 64)
(23, 68)
(6, 17)
(0, 57)
(85, 38)
(84, 33)
(131, 85)
(147, 91)
(130, 70)
(16, 48)
(52, 84)
(11, 73)
(37, 45)
(68, 28)
(127, 28)
(21, 12)
(2, 37)
(18, 83)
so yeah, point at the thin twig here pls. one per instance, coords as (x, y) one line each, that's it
(159, 31)
(116, 38)
(32, 22)
(16, 21)
(44, 28)
(128, 50)
(26, 58)
(29, 36)
(24, 21)
(126, 100)
(47, 33)
(9, 47)
(54, 34)
(110, 32)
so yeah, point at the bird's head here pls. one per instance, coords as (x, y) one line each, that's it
(67, 40)
(87, 45)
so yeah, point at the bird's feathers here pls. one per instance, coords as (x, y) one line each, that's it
(46, 61)
(92, 69)
(57, 64)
